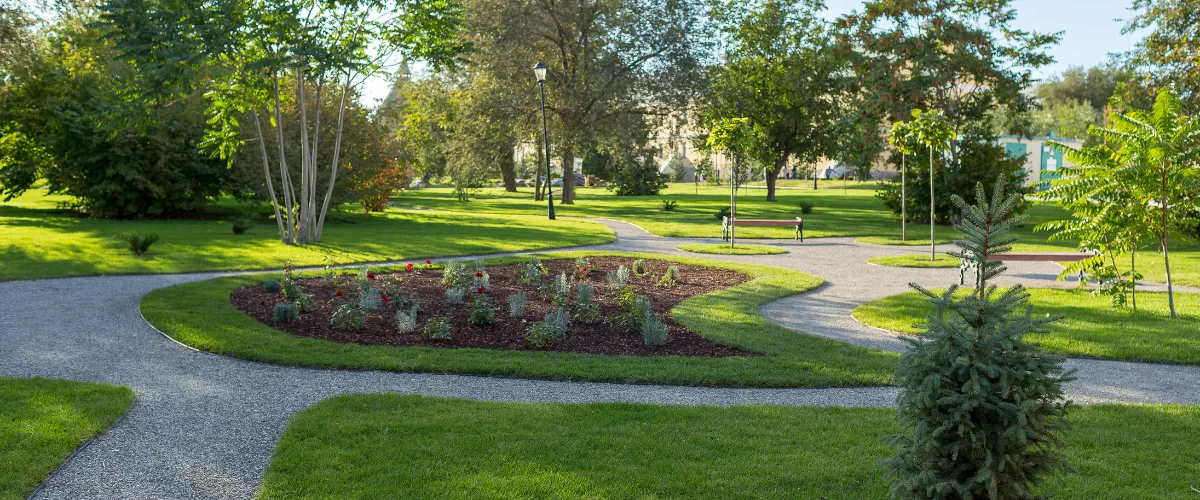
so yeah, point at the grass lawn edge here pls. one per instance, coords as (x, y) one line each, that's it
(200, 316)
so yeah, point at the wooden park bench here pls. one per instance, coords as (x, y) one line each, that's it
(798, 224)
(967, 265)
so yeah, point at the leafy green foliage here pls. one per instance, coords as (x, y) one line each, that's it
(1134, 185)
(481, 313)
(531, 272)
(619, 279)
(632, 310)
(639, 267)
(668, 278)
(985, 408)
(669, 205)
(438, 328)
(348, 314)
(406, 321)
(272, 286)
(806, 207)
(139, 244)
(286, 312)
(242, 224)
(782, 75)
(551, 328)
(22, 162)
(637, 178)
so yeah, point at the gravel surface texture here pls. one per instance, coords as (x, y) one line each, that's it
(204, 426)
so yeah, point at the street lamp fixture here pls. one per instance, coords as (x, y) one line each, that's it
(539, 70)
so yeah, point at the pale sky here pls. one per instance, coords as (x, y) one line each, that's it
(1090, 33)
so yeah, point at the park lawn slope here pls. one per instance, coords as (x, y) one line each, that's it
(200, 315)
(396, 446)
(43, 421)
(42, 243)
(1091, 327)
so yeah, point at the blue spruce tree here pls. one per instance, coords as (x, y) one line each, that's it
(984, 408)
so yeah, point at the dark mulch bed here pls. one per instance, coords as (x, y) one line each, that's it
(507, 332)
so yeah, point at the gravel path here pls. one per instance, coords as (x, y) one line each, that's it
(204, 426)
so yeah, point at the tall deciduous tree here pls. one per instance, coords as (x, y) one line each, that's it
(1169, 55)
(254, 45)
(959, 58)
(607, 59)
(781, 73)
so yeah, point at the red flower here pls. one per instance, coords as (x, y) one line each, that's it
(386, 299)
(370, 276)
(479, 275)
(480, 290)
(427, 261)
(338, 294)
(408, 268)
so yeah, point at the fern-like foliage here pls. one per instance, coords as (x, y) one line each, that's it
(985, 409)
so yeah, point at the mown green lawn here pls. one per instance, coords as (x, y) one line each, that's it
(1092, 327)
(854, 212)
(200, 315)
(394, 446)
(43, 421)
(915, 260)
(39, 242)
(738, 249)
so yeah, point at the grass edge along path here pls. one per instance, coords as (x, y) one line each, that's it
(403, 446)
(44, 421)
(200, 315)
(1091, 327)
(917, 260)
(738, 249)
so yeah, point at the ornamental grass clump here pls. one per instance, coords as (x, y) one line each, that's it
(639, 267)
(560, 294)
(291, 289)
(983, 408)
(669, 277)
(482, 313)
(455, 295)
(286, 312)
(272, 286)
(138, 244)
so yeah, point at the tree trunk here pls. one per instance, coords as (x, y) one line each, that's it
(284, 177)
(333, 168)
(773, 176)
(305, 233)
(568, 178)
(508, 166)
(1133, 276)
(903, 199)
(262, 147)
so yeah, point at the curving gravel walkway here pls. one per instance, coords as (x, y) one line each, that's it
(204, 426)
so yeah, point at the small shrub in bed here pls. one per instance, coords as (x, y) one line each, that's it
(560, 294)
(291, 287)
(617, 280)
(516, 304)
(457, 275)
(806, 207)
(669, 277)
(272, 286)
(286, 312)
(639, 267)
(654, 331)
(585, 310)
(455, 295)
(437, 328)
(406, 321)
(583, 267)
(348, 314)
(633, 309)
(481, 312)
(243, 223)
(552, 327)
(531, 272)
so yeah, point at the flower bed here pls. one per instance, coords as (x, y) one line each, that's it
(362, 307)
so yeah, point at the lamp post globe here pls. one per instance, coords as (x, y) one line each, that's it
(539, 71)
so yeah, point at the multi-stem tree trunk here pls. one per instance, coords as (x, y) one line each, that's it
(262, 148)
(932, 228)
(903, 198)
(568, 178)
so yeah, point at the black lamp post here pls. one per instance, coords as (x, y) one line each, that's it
(539, 70)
